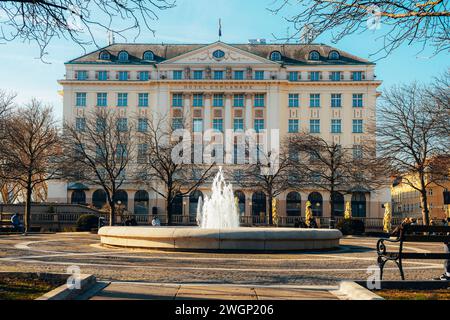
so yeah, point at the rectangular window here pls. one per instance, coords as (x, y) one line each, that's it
(357, 100)
(259, 75)
(335, 76)
(314, 126)
(197, 125)
(336, 100)
(259, 125)
(81, 75)
(177, 123)
(336, 126)
(123, 75)
(218, 100)
(293, 76)
(144, 75)
(142, 125)
(101, 124)
(357, 126)
(238, 124)
(314, 100)
(259, 100)
(81, 124)
(218, 124)
(218, 75)
(80, 99)
(314, 76)
(102, 99)
(198, 74)
(177, 75)
(238, 100)
(293, 100)
(122, 99)
(239, 75)
(197, 100)
(357, 76)
(102, 75)
(122, 124)
(357, 152)
(293, 126)
(177, 100)
(121, 150)
(143, 100)
(142, 151)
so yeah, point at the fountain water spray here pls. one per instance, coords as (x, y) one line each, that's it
(220, 210)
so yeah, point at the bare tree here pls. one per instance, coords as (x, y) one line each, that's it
(30, 150)
(403, 21)
(270, 171)
(411, 138)
(98, 150)
(80, 21)
(326, 165)
(6, 103)
(171, 178)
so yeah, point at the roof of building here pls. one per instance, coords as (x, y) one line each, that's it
(292, 54)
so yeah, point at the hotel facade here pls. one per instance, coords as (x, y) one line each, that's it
(290, 87)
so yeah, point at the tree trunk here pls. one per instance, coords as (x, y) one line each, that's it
(27, 215)
(112, 213)
(169, 209)
(424, 204)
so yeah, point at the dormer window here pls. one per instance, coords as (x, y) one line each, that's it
(123, 56)
(275, 56)
(314, 55)
(333, 55)
(149, 56)
(104, 55)
(218, 54)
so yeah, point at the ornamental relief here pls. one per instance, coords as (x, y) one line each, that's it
(207, 57)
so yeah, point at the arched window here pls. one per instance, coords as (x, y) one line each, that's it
(314, 55)
(241, 201)
(149, 56)
(316, 203)
(104, 55)
(333, 55)
(275, 56)
(358, 204)
(259, 204)
(218, 54)
(121, 196)
(99, 198)
(123, 56)
(194, 199)
(338, 202)
(78, 197)
(177, 206)
(293, 204)
(141, 202)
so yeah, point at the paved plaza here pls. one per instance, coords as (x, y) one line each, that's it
(146, 274)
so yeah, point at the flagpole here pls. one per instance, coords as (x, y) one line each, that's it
(220, 29)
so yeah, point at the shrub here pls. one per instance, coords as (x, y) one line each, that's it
(87, 222)
(351, 226)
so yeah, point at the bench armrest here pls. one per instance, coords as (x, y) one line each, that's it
(382, 249)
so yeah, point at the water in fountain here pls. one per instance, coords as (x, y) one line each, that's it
(220, 210)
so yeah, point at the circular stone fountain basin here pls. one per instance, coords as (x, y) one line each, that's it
(242, 239)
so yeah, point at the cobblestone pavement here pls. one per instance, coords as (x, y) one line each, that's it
(56, 252)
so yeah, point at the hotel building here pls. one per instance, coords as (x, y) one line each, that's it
(291, 87)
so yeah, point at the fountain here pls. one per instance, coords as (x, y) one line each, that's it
(219, 211)
(219, 229)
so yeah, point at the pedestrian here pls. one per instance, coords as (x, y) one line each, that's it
(156, 222)
(15, 221)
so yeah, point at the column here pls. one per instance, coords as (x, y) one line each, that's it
(207, 115)
(248, 111)
(187, 110)
(228, 124)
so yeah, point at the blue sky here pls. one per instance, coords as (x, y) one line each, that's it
(196, 21)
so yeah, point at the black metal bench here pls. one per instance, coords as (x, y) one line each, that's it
(412, 233)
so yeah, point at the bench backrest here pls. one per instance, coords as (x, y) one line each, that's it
(420, 233)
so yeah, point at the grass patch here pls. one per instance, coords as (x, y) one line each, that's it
(438, 294)
(20, 288)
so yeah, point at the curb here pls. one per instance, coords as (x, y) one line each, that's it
(87, 281)
(354, 291)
